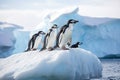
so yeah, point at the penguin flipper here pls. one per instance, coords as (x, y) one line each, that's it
(58, 40)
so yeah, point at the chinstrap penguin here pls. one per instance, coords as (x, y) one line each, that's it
(65, 35)
(35, 41)
(50, 38)
(76, 45)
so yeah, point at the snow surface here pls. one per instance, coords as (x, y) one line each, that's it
(73, 64)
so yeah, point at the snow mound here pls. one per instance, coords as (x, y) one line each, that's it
(73, 64)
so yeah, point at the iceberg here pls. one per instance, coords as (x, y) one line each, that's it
(73, 64)
(13, 39)
(7, 38)
(99, 35)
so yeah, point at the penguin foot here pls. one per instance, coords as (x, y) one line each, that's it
(50, 49)
(42, 49)
(64, 48)
(34, 49)
(55, 47)
(27, 50)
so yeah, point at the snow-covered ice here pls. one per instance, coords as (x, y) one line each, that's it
(73, 64)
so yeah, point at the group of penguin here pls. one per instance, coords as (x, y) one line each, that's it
(52, 39)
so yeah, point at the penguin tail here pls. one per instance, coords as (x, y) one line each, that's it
(50, 49)
(42, 49)
(27, 50)
(55, 47)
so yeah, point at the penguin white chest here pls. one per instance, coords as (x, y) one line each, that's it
(37, 41)
(66, 36)
(52, 39)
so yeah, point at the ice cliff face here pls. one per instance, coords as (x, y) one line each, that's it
(102, 39)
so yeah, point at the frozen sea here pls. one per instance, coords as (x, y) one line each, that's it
(111, 69)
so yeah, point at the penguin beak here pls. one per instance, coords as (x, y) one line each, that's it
(56, 27)
(78, 43)
(76, 21)
(43, 33)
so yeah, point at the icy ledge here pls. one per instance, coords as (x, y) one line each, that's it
(73, 64)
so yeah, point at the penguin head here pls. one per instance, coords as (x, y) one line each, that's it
(54, 26)
(72, 21)
(78, 43)
(50, 30)
(41, 32)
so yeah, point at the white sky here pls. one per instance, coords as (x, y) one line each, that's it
(29, 12)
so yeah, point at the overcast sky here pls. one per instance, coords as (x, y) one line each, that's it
(20, 11)
(41, 4)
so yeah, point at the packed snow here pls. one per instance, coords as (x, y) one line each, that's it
(73, 64)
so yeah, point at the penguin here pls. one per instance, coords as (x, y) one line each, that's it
(35, 41)
(65, 34)
(50, 38)
(76, 45)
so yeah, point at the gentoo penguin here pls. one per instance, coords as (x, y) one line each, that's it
(65, 34)
(35, 41)
(50, 38)
(76, 45)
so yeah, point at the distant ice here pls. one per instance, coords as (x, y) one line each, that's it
(7, 38)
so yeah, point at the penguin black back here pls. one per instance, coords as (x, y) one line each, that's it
(62, 30)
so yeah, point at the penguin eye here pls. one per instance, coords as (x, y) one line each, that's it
(53, 27)
(72, 21)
